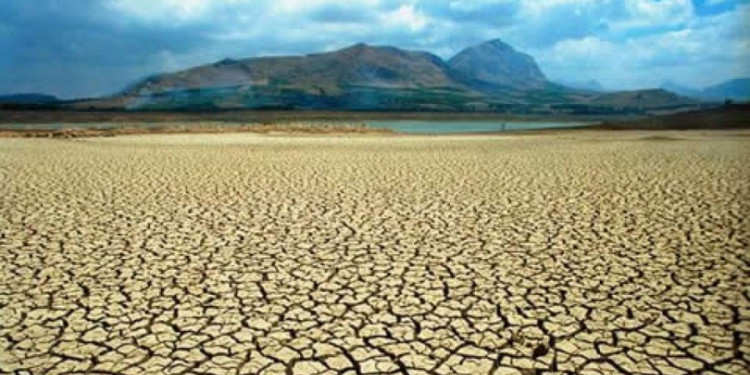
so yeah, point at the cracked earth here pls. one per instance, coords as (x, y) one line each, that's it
(590, 253)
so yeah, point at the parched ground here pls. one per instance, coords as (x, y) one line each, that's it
(580, 252)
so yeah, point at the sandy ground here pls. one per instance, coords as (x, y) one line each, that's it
(590, 253)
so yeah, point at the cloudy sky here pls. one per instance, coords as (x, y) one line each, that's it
(78, 48)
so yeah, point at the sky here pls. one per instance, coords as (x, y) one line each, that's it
(87, 48)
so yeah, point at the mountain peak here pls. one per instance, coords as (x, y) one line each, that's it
(225, 61)
(358, 46)
(497, 44)
(361, 48)
(495, 63)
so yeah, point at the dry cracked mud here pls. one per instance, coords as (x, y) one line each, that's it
(586, 253)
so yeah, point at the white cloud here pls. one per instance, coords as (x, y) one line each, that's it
(704, 52)
(405, 16)
(472, 5)
(619, 15)
(301, 6)
(649, 13)
(175, 10)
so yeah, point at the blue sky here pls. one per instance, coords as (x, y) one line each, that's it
(78, 48)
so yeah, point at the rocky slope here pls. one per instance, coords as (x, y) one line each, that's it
(495, 63)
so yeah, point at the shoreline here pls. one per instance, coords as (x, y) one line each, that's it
(146, 129)
(81, 130)
(299, 131)
(28, 124)
(248, 116)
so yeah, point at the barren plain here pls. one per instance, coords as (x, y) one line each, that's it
(573, 252)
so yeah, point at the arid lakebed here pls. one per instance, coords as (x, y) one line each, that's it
(575, 252)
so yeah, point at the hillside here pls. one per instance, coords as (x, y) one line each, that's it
(736, 89)
(323, 73)
(641, 99)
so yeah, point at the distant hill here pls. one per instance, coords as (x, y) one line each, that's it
(681, 89)
(727, 117)
(495, 63)
(590, 85)
(641, 99)
(736, 89)
(27, 99)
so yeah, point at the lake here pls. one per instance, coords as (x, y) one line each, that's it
(399, 126)
(452, 127)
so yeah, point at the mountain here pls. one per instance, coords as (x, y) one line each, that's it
(356, 77)
(359, 77)
(641, 100)
(490, 76)
(497, 64)
(681, 89)
(590, 85)
(736, 89)
(32, 98)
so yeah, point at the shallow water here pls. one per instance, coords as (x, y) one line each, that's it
(400, 126)
(448, 127)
